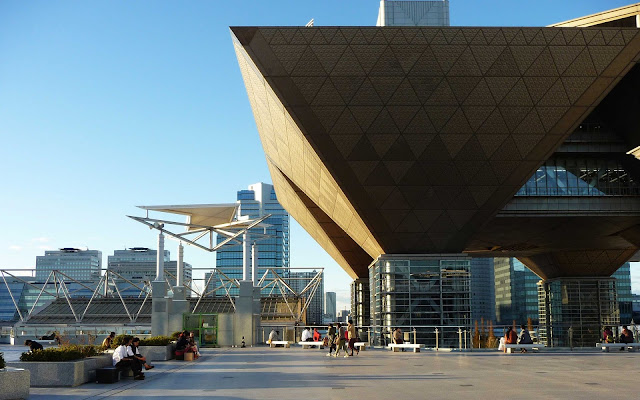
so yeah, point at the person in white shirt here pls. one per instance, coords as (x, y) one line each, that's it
(273, 335)
(306, 335)
(135, 343)
(123, 358)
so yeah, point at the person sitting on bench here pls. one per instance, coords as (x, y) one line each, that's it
(135, 343)
(510, 337)
(106, 343)
(316, 335)
(273, 335)
(123, 358)
(397, 337)
(33, 345)
(524, 338)
(306, 335)
(626, 336)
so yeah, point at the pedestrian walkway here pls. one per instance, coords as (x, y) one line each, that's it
(264, 373)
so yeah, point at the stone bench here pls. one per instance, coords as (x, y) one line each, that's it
(284, 343)
(306, 345)
(532, 346)
(396, 347)
(606, 346)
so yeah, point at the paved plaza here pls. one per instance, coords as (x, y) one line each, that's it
(263, 373)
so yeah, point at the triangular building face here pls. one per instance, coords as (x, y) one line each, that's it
(414, 140)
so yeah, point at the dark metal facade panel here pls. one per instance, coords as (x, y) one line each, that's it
(426, 133)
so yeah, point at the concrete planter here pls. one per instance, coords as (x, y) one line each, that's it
(158, 353)
(14, 383)
(63, 373)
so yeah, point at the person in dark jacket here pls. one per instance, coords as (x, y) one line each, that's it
(524, 337)
(33, 345)
(183, 341)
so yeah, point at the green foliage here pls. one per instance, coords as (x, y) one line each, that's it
(2, 364)
(156, 341)
(118, 340)
(175, 335)
(64, 353)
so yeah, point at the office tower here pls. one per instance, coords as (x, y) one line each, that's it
(138, 264)
(81, 265)
(413, 13)
(483, 303)
(623, 293)
(330, 306)
(298, 281)
(516, 292)
(273, 252)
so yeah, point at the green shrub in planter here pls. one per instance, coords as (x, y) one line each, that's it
(2, 364)
(156, 341)
(65, 353)
(118, 340)
(175, 335)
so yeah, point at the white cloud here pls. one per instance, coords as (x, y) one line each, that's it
(15, 247)
(40, 240)
(45, 247)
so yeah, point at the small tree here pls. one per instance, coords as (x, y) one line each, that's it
(476, 336)
(492, 342)
(483, 333)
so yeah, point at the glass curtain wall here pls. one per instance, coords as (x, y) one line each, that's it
(421, 293)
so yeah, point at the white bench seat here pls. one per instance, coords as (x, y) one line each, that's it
(532, 346)
(629, 346)
(396, 347)
(284, 343)
(361, 345)
(306, 345)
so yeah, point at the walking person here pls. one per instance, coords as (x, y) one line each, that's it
(331, 335)
(351, 333)
(341, 343)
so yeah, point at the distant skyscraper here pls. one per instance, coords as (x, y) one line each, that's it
(330, 305)
(623, 292)
(298, 281)
(82, 265)
(139, 263)
(483, 300)
(413, 13)
(260, 199)
(516, 292)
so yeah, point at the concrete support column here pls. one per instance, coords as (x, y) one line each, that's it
(254, 263)
(180, 272)
(246, 256)
(160, 258)
(247, 315)
(161, 304)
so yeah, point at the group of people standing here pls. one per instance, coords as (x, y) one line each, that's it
(340, 337)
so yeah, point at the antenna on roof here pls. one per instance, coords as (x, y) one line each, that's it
(309, 24)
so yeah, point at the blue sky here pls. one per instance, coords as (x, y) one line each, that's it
(105, 105)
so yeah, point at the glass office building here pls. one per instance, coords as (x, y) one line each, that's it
(273, 252)
(82, 265)
(138, 264)
(483, 303)
(516, 292)
(423, 293)
(413, 13)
